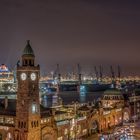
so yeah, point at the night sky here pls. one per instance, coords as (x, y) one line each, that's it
(89, 32)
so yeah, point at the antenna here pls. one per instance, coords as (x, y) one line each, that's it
(101, 72)
(96, 73)
(79, 73)
(112, 73)
(58, 73)
(119, 72)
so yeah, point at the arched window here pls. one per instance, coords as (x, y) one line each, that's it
(19, 124)
(24, 124)
(26, 62)
(37, 124)
(32, 124)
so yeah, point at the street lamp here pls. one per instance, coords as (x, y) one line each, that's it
(134, 99)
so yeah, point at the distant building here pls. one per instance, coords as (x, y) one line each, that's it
(112, 98)
(5, 74)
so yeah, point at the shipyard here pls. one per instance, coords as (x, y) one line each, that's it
(61, 109)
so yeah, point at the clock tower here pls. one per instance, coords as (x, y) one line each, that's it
(28, 105)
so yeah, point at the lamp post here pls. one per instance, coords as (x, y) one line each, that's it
(134, 107)
(134, 103)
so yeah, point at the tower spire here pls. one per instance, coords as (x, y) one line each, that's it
(28, 55)
(28, 42)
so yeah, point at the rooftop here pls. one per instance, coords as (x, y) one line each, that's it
(112, 92)
(28, 49)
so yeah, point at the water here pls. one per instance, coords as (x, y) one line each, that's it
(69, 97)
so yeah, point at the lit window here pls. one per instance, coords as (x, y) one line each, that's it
(41, 121)
(66, 132)
(9, 136)
(60, 138)
(34, 108)
(1, 119)
(9, 120)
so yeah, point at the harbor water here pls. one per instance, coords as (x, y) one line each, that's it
(69, 97)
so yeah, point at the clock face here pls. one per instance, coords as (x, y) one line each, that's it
(33, 76)
(23, 76)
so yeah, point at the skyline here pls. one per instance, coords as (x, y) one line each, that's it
(73, 31)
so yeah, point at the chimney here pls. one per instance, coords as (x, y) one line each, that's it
(6, 102)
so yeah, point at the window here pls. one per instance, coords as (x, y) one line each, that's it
(9, 120)
(9, 136)
(65, 131)
(24, 124)
(41, 121)
(26, 62)
(1, 119)
(32, 124)
(18, 124)
(21, 124)
(37, 123)
(34, 108)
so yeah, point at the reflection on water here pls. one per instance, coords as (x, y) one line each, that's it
(55, 99)
(82, 96)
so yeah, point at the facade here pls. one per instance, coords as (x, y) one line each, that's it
(112, 97)
(134, 100)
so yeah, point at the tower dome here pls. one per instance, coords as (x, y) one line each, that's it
(28, 55)
(28, 49)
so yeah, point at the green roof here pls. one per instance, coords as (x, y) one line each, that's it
(28, 49)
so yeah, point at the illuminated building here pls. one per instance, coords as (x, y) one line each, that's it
(112, 98)
(5, 74)
(25, 119)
